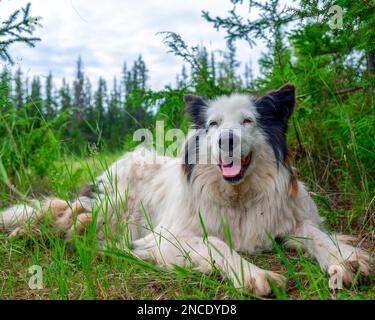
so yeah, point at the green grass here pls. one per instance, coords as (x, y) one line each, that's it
(79, 274)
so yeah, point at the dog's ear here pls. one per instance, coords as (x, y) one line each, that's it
(284, 100)
(274, 109)
(196, 108)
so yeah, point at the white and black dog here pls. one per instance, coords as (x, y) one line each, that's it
(181, 212)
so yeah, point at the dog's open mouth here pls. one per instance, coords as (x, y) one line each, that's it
(235, 170)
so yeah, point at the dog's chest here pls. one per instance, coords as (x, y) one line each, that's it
(251, 224)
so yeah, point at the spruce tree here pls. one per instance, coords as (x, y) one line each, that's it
(113, 116)
(78, 91)
(140, 73)
(17, 28)
(182, 79)
(49, 103)
(89, 128)
(35, 100)
(228, 68)
(5, 82)
(19, 90)
(77, 120)
(65, 96)
(100, 98)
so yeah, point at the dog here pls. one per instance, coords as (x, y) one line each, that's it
(202, 214)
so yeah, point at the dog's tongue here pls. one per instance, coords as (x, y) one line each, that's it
(231, 170)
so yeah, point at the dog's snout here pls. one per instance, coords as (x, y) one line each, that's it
(226, 140)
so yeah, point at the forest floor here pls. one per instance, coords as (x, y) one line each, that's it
(77, 272)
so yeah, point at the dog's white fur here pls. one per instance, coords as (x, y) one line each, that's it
(178, 221)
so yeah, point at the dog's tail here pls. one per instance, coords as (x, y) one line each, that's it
(16, 216)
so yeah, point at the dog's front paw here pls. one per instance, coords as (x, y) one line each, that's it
(343, 273)
(261, 282)
(264, 281)
(17, 232)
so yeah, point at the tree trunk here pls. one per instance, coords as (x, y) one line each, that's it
(371, 62)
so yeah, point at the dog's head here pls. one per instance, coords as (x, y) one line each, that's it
(236, 127)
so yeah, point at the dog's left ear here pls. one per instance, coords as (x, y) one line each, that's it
(274, 109)
(196, 108)
(284, 100)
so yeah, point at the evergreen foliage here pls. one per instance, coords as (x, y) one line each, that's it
(19, 27)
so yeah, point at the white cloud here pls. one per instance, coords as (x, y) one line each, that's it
(107, 33)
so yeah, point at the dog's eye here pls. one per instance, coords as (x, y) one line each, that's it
(213, 124)
(247, 121)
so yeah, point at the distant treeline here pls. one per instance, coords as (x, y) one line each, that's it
(107, 114)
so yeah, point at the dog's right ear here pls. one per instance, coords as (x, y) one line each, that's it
(284, 100)
(196, 108)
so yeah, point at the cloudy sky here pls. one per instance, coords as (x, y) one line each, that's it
(107, 33)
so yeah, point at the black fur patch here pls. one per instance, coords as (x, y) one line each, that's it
(196, 108)
(89, 190)
(191, 153)
(275, 109)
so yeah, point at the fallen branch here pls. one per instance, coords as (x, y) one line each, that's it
(337, 93)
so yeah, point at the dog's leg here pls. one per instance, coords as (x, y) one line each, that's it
(204, 255)
(335, 256)
(83, 221)
(60, 216)
(52, 210)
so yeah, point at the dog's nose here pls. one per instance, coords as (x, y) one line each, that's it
(226, 141)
